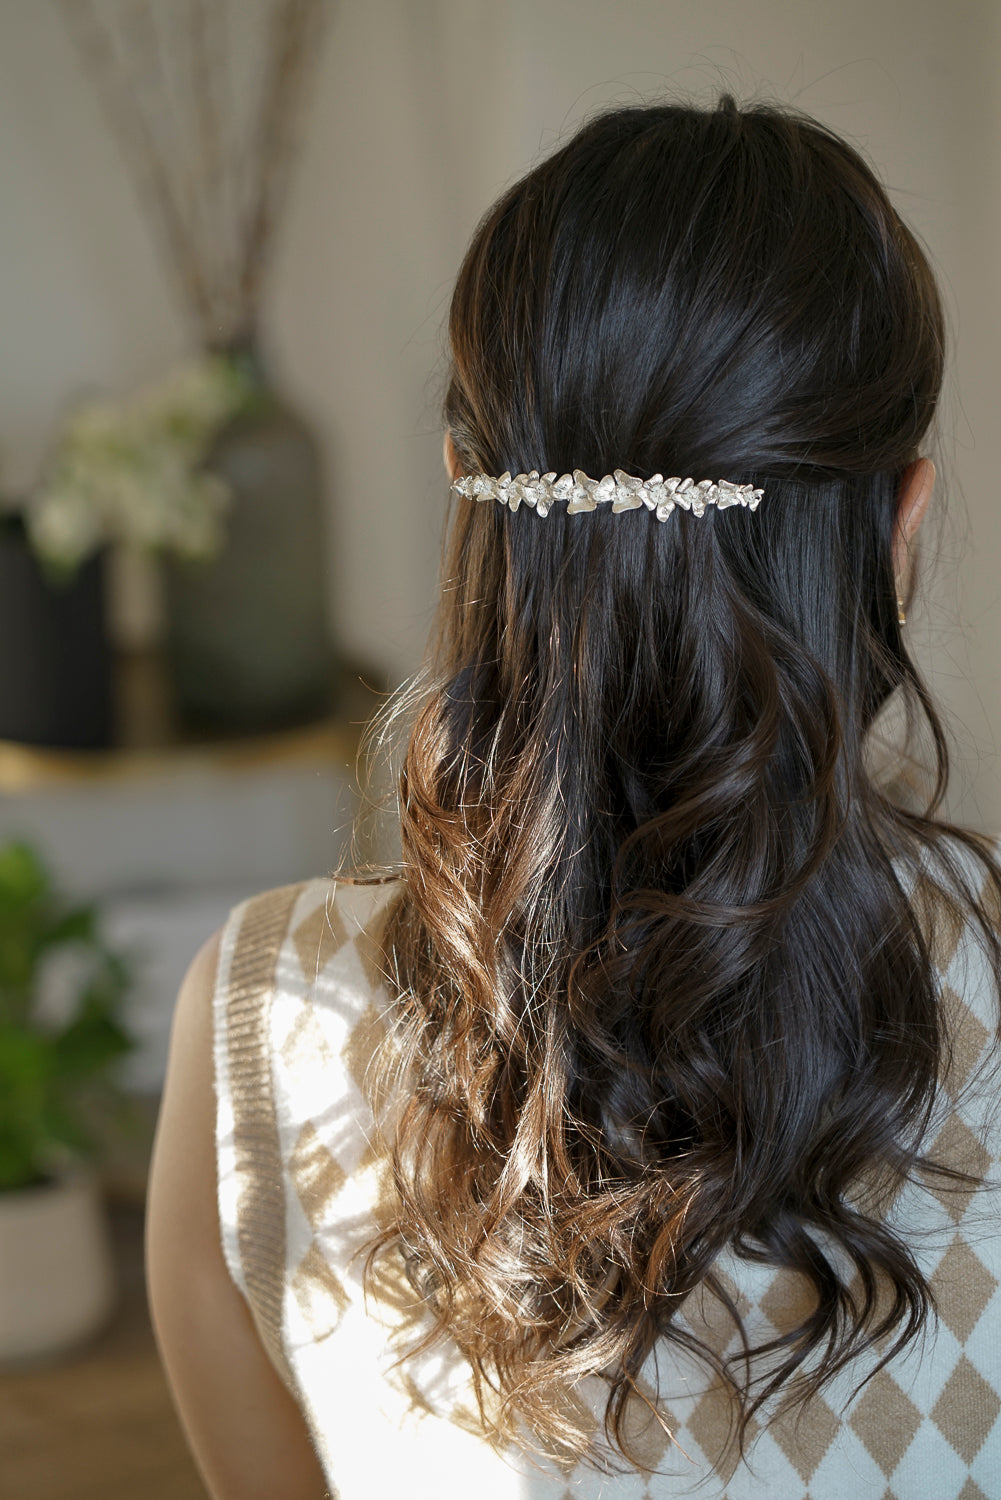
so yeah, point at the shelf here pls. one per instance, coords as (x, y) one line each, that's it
(151, 744)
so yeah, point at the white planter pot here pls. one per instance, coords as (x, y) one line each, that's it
(57, 1281)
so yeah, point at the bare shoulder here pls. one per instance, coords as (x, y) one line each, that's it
(244, 1429)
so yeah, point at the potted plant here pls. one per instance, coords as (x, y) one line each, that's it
(126, 475)
(61, 1033)
(132, 472)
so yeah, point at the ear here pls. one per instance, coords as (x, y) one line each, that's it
(451, 460)
(915, 493)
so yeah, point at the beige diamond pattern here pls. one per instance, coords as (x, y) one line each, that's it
(992, 901)
(886, 1420)
(962, 1286)
(317, 938)
(966, 1410)
(710, 1319)
(305, 1042)
(939, 919)
(644, 1432)
(971, 1491)
(712, 1426)
(368, 946)
(967, 1036)
(957, 1146)
(805, 1436)
(319, 1292)
(317, 1174)
(883, 1416)
(788, 1302)
(360, 1047)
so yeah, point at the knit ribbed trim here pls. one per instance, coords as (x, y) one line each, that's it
(263, 924)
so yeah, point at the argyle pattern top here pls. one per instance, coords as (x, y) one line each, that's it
(299, 1011)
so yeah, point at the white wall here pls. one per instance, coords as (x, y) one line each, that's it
(422, 112)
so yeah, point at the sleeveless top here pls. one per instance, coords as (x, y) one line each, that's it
(299, 1011)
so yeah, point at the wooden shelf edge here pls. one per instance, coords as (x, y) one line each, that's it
(152, 748)
(26, 768)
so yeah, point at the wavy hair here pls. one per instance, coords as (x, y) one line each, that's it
(661, 989)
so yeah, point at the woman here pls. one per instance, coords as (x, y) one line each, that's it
(649, 1102)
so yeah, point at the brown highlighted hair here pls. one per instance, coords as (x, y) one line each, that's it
(661, 988)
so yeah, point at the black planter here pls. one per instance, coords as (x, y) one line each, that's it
(55, 662)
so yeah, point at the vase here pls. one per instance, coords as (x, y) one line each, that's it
(247, 636)
(55, 660)
(57, 1281)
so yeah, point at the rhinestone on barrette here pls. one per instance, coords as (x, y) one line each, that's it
(621, 491)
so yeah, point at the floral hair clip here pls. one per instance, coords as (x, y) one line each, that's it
(621, 491)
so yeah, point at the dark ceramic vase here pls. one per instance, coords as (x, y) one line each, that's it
(247, 634)
(55, 661)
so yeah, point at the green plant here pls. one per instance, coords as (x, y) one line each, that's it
(56, 1070)
(134, 472)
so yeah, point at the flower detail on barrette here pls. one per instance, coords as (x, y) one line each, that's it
(621, 491)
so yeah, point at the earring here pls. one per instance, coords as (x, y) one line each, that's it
(901, 616)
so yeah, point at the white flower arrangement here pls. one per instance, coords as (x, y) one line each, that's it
(133, 472)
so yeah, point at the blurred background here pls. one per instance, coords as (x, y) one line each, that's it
(228, 233)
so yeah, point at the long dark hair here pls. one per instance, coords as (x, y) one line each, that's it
(662, 987)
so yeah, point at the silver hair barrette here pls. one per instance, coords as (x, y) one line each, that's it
(621, 491)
